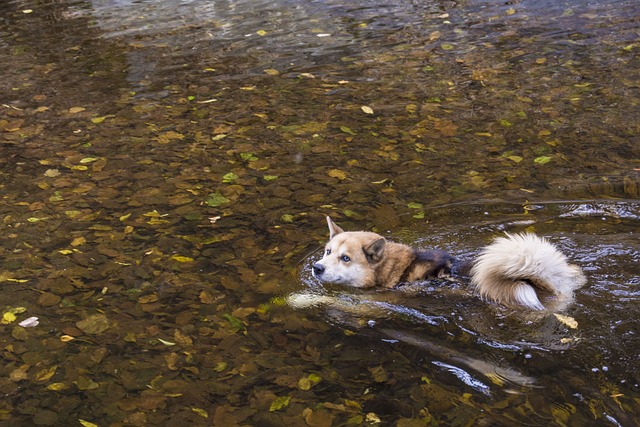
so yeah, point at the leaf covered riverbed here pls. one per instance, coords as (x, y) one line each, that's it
(165, 172)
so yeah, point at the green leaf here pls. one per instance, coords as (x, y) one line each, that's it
(235, 322)
(515, 159)
(414, 205)
(288, 218)
(542, 160)
(348, 130)
(279, 403)
(248, 157)
(230, 177)
(215, 199)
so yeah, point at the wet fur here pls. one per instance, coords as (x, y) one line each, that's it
(515, 270)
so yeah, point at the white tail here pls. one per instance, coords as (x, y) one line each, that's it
(516, 269)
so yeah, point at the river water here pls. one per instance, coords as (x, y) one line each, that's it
(167, 166)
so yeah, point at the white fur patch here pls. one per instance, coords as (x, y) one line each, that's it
(502, 268)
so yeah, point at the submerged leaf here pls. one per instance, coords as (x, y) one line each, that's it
(93, 324)
(337, 173)
(279, 403)
(348, 130)
(200, 412)
(567, 320)
(366, 109)
(215, 199)
(542, 160)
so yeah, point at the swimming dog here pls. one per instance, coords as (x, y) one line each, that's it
(514, 270)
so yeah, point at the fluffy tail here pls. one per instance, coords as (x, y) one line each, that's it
(519, 268)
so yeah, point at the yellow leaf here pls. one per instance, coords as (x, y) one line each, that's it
(74, 110)
(8, 318)
(261, 32)
(46, 373)
(57, 387)
(567, 320)
(511, 11)
(98, 120)
(200, 412)
(86, 423)
(66, 338)
(78, 241)
(167, 343)
(279, 403)
(272, 72)
(411, 108)
(367, 109)
(337, 173)
(181, 258)
(89, 159)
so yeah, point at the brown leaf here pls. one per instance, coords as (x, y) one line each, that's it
(94, 324)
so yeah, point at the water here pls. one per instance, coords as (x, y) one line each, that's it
(165, 171)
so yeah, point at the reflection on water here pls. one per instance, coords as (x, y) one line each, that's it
(166, 166)
(599, 236)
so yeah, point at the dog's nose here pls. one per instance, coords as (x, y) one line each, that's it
(318, 269)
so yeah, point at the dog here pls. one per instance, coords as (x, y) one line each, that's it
(517, 270)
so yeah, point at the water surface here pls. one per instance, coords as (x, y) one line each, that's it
(165, 172)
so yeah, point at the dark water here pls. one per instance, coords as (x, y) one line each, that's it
(165, 172)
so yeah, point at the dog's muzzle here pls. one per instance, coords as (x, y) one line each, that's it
(317, 269)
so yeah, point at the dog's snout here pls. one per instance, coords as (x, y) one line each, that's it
(318, 269)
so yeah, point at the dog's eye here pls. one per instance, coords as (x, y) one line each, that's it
(345, 258)
(328, 251)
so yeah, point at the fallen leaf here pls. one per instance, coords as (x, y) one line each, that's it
(94, 324)
(8, 318)
(542, 160)
(367, 109)
(46, 373)
(279, 403)
(215, 199)
(31, 322)
(337, 173)
(348, 130)
(181, 258)
(567, 320)
(200, 412)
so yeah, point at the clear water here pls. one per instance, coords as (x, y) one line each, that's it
(165, 171)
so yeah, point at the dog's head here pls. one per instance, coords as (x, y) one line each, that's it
(350, 257)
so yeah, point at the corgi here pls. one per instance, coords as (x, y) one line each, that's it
(517, 270)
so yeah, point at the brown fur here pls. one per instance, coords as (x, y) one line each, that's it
(516, 270)
(375, 262)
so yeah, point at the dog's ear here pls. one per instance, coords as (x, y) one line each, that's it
(333, 228)
(375, 250)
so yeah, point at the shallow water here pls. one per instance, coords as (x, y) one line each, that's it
(165, 171)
